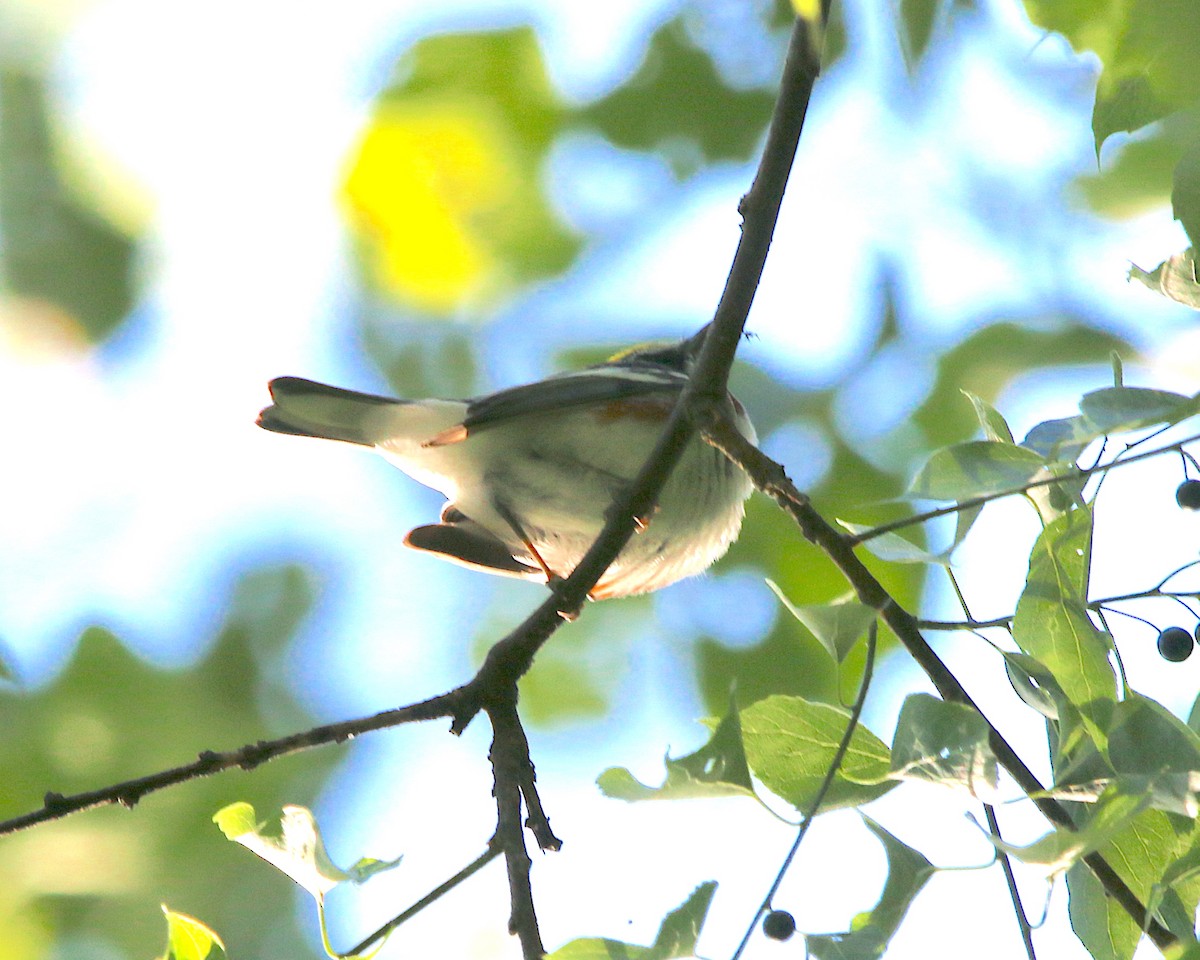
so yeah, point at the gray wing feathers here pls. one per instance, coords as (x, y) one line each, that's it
(592, 385)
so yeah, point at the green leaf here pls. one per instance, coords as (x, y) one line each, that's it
(1060, 441)
(296, 850)
(974, 469)
(59, 246)
(1176, 278)
(1142, 851)
(838, 625)
(677, 935)
(599, 948)
(995, 427)
(1052, 624)
(1033, 683)
(790, 743)
(1059, 850)
(681, 927)
(717, 769)
(908, 872)
(190, 939)
(1145, 737)
(1150, 50)
(945, 743)
(893, 547)
(1118, 409)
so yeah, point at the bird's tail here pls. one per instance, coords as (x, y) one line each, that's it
(309, 409)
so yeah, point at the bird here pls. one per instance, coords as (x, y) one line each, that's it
(529, 472)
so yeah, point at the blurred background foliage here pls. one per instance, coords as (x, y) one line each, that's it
(488, 213)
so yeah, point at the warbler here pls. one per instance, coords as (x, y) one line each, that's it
(529, 472)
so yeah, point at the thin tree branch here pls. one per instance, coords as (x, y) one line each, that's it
(1011, 881)
(488, 855)
(1076, 474)
(707, 388)
(129, 792)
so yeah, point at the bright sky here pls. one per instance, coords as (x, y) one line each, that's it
(247, 279)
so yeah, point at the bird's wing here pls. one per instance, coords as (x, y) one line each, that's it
(595, 385)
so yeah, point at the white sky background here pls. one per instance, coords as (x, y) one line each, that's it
(166, 413)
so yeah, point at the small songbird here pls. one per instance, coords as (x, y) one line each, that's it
(529, 472)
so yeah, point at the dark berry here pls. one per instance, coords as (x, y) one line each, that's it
(1187, 495)
(779, 925)
(1175, 644)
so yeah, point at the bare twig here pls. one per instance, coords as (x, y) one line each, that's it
(1074, 475)
(1010, 881)
(488, 855)
(129, 792)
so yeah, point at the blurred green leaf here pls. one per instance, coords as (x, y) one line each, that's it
(678, 100)
(790, 744)
(1175, 278)
(1137, 178)
(445, 187)
(110, 716)
(1185, 191)
(1052, 624)
(1150, 50)
(677, 935)
(717, 769)
(945, 743)
(993, 357)
(55, 248)
(974, 469)
(190, 939)
(917, 18)
(572, 681)
(432, 359)
(870, 931)
(838, 625)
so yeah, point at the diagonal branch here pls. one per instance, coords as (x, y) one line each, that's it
(769, 477)
(511, 657)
